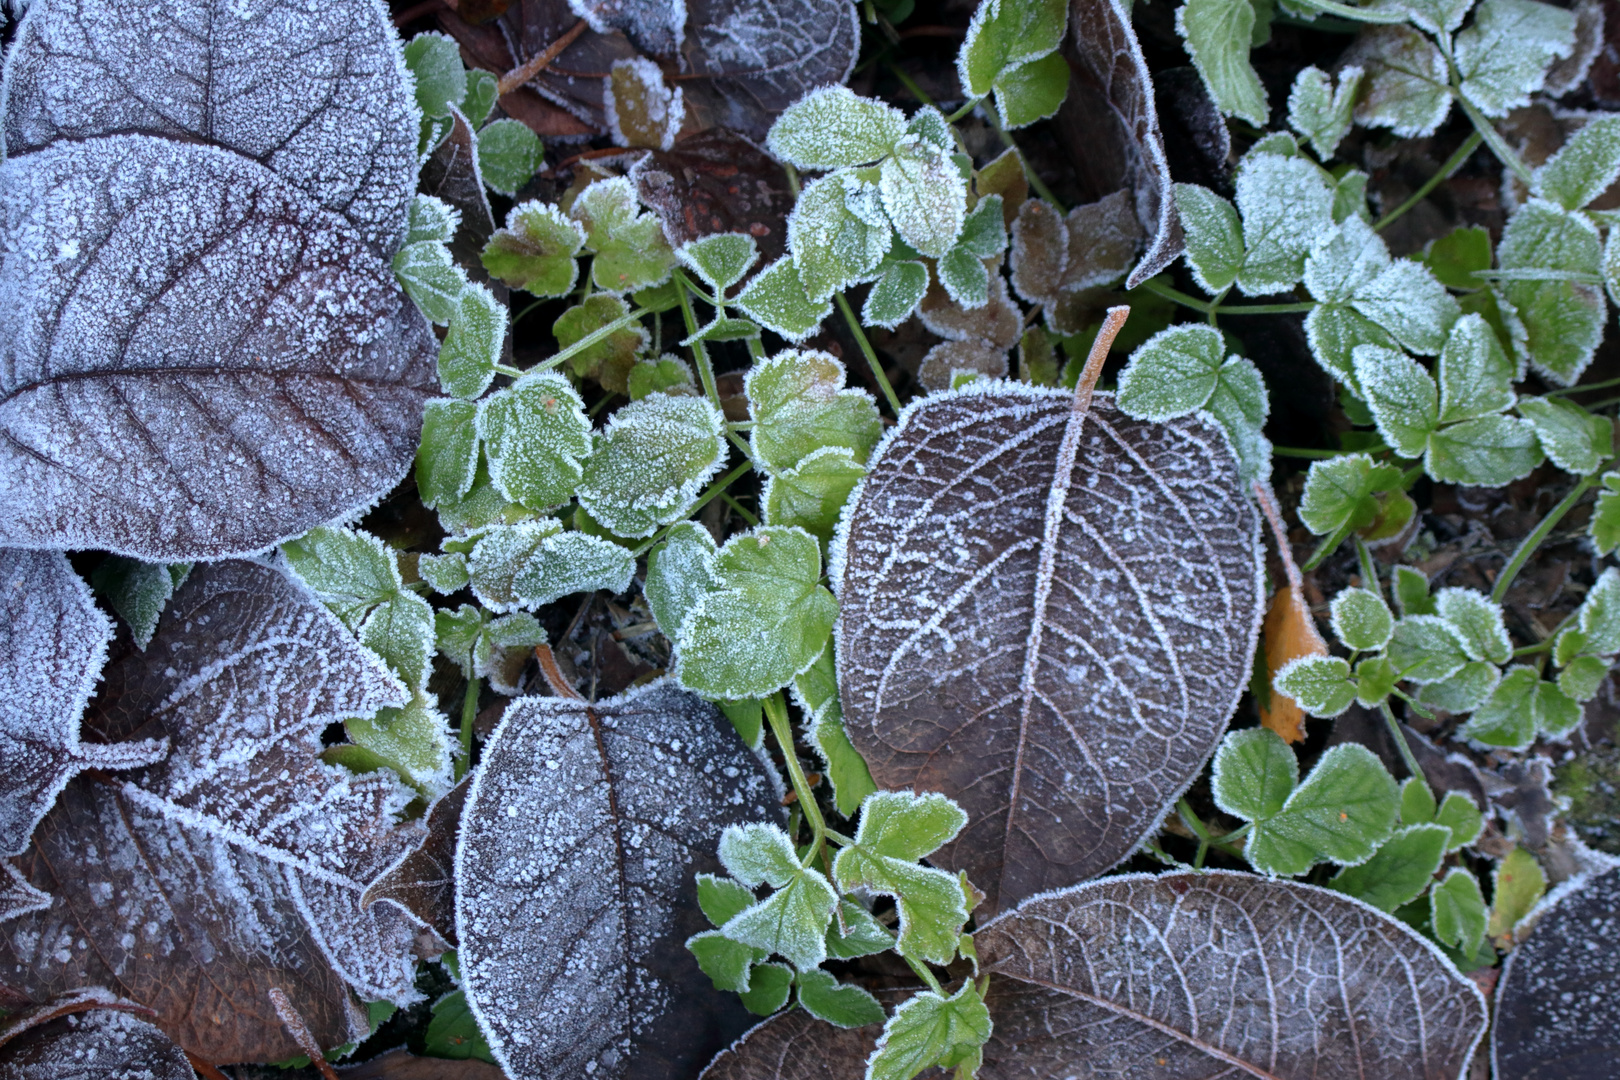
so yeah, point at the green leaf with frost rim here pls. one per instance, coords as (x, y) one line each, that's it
(1403, 397)
(1217, 34)
(841, 1005)
(929, 1029)
(1286, 205)
(679, 572)
(1342, 811)
(815, 691)
(1321, 113)
(649, 464)
(447, 456)
(897, 829)
(1405, 88)
(1005, 34)
(535, 251)
(430, 219)
(1341, 492)
(799, 404)
(1475, 374)
(631, 252)
(837, 232)
(1478, 622)
(509, 155)
(472, 348)
(1253, 774)
(811, 495)
(1318, 684)
(726, 962)
(924, 195)
(1399, 871)
(1427, 649)
(1584, 167)
(1173, 373)
(536, 437)
(434, 60)
(896, 295)
(834, 127)
(431, 279)
(1577, 441)
(1562, 321)
(1488, 452)
(1032, 91)
(792, 921)
(533, 563)
(1361, 619)
(766, 620)
(1503, 58)
(720, 259)
(776, 299)
(1457, 911)
(1213, 236)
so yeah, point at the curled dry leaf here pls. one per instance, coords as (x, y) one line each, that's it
(103, 1043)
(207, 351)
(1289, 632)
(451, 173)
(946, 360)
(1048, 616)
(583, 833)
(1110, 128)
(1271, 979)
(422, 883)
(713, 182)
(1556, 1011)
(237, 863)
(53, 643)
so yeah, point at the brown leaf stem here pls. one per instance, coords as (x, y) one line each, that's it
(300, 1032)
(1113, 323)
(553, 674)
(538, 63)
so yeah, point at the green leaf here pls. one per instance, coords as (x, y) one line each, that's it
(1508, 717)
(444, 574)
(722, 898)
(650, 463)
(1005, 34)
(482, 90)
(1334, 332)
(1218, 33)
(535, 252)
(1427, 648)
(1583, 677)
(1361, 619)
(667, 374)
(456, 633)
(430, 220)
(1214, 236)
(1597, 621)
(1478, 621)
(1350, 197)
(1344, 809)
(472, 348)
(833, 127)
(1342, 493)
(1240, 405)
(414, 740)
(812, 494)
(720, 259)
(138, 591)
(843, 1006)
(453, 1031)
(1476, 376)
(1457, 909)
(1253, 774)
(1436, 16)
(509, 155)
(400, 630)
(929, 1029)
(1562, 319)
(1604, 527)
(434, 60)
(1173, 373)
(1488, 452)
(1287, 206)
(1399, 870)
(792, 921)
(1417, 803)
(1456, 256)
(1405, 88)
(1461, 817)
(799, 404)
(770, 985)
(610, 359)
(1402, 395)
(1318, 684)
(724, 961)
(1575, 440)
(1032, 91)
(1515, 887)
(1321, 114)
(481, 506)
(631, 252)
(1584, 167)
(1411, 589)
(536, 436)
(1503, 58)
(679, 572)
(1375, 681)
(766, 620)
(1464, 690)
(431, 279)
(815, 690)
(838, 233)
(896, 295)
(862, 935)
(896, 830)
(924, 195)
(348, 571)
(748, 717)
(532, 563)
(447, 457)
(776, 299)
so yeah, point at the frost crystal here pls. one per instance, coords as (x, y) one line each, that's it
(532, 563)
(650, 463)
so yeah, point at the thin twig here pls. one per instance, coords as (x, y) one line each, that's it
(1268, 506)
(206, 1069)
(515, 78)
(1113, 323)
(300, 1032)
(553, 674)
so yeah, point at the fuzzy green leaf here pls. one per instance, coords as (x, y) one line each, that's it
(1457, 909)
(434, 60)
(444, 574)
(1411, 589)
(1584, 167)
(1218, 33)
(631, 252)
(724, 961)
(924, 195)
(138, 591)
(1342, 492)
(1575, 440)
(800, 404)
(431, 279)
(1478, 622)
(1321, 113)
(1487, 452)
(838, 233)
(1461, 817)
(535, 252)
(721, 898)
(1503, 58)
(1319, 684)
(928, 1029)
(649, 464)
(536, 437)
(896, 830)
(1402, 395)
(862, 935)
(1287, 206)
(896, 295)
(1458, 255)
(679, 573)
(792, 921)
(1173, 373)
(1214, 236)
(1583, 677)
(720, 259)
(509, 155)
(769, 987)
(777, 300)
(1515, 887)
(1032, 91)
(1005, 34)
(833, 127)
(430, 220)
(1405, 88)
(1341, 812)
(532, 563)
(815, 690)
(610, 358)
(1476, 376)
(845, 1006)
(1253, 774)
(1361, 619)
(1562, 319)
(1605, 525)
(1399, 870)
(812, 493)
(1427, 648)
(472, 348)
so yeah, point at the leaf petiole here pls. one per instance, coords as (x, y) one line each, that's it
(1540, 533)
(714, 492)
(1493, 138)
(599, 334)
(776, 715)
(867, 351)
(1453, 163)
(469, 713)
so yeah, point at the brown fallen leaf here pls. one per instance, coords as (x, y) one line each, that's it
(109, 1042)
(404, 1065)
(717, 181)
(1289, 632)
(422, 883)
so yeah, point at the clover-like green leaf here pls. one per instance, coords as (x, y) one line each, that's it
(509, 155)
(1478, 621)
(1321, 113)
(430, 278)
(895, 295)
(1214, 236)
(1427, 648)
(1597, 622)
(1577, 441)
(776, 299)
(1399, 870)
(1558, 253)
(472, 348)
(631, 252)
(1287, 205)
(1503, 58)
(1457, 909)
(535, 251)
(1403, 397)
(532, 563)
(1318, 684)
(649, 464)
(1218, 35)
(720, 259)
(1253, 774)
(430, 219)
(929, 1029)
(1604, 528)
(1342, 811)
(447, 456)
(679, 572)
(845, 1006)
(725, 961)
(924, 195)
(1361, 619)
(838, 233)
(791, 922)
(536, 437)
(834, 127)
(800, 404)
(1341, 493)
(855, 933)
(1405, 88)
(1522, 706)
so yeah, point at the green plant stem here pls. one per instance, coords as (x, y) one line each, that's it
(716, 489)
(867, 351)
(776, 714)
(1493, 138)
(1205, 840)
(1354, 14)
(469, 713)
(1202, 307)
(1318, 455)
(1407, 756)
(586, 342)
(1215, 305)
(700, 356)
(1567, 390)
(967, 106)
(1369, 572)
(1453, 163)
(742, 511)
(925, 975)
(1540, 533)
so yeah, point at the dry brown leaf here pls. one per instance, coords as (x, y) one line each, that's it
(945, 360)
(1289, 632)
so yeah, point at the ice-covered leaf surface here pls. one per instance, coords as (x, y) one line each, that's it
(1405, 88)
(91, 1045)
(1221, 974)
(533, 563)
(575, 882)
(52, 645)
(244, 674)
(1131, 551)
(651, 461)
(1218, 36)
(1503, 58)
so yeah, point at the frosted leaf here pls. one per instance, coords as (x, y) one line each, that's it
(1040, 251)
(1005, 34)
(792, 921)
(444, 574)
(536, 436)
(1407, 301)
(103, 1042)
(576, 888)
(1241, 404)
(1032, 91)
(1320, 685)
(1554, 1019)
(17, 897)
(679, 572)
(245, 673)
(1488, 452)
(649, 464)
(1464, 691)
(1478, 621)
(965, 278)
(1436, 16)
(54, 644)
(509, 155)
(834, 127)
(1575, 440)
(1562, 320)
(924, 195)
(348, 571)
(1320, 112)
(1173, 373)
(1287, 205)
(1143, 590)
(837, 233)
(799, 404)
(777, 300)
(1572, 71)
(413, 740)
(765, 620)
(815, 691)
(998, 324)
(1476, 376)
(950, 361)
(1584, 167)
(895, 295)
(641, 111)
(1214, 237)
(338, 126)
(609, 360)
(138, 591)
(1334, 331)
(1503, 58)
(631, 252)
(430, 278)
(1405, 88)
(447, 459)
(1218, 35)
(1402, 395)
(532, 563)
(1104, 237)
(812, 493)
(435, 66)
(668, 374)
(1427, 649)
(720, 259)
(297, 396)
(431, 219)
(716, 181)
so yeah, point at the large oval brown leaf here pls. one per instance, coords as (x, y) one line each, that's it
(1183, 977)
(1557, 1010)
(1060, 662)
(206, 349)
(575, 882)
(104, 1044)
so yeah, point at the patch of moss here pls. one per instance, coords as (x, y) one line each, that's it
(1591, 782)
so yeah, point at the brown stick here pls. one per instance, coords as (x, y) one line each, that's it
(520, 75)
(300, 1032)
(206, 1069)
(1268, 506)
(553, 674)
(1113, 323)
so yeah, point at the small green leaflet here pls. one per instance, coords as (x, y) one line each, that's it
(1562, 319)
(776, 299)
(434, 59)
(896, 295)
(667, 375)
(1456, 256)
(838, 233)
(535, 252)
(799, 405)
(791, 922)
(815, 691)
(1475, 375)
(1605, 526)
(479, 645)
(1253, 774)
(924, 195)
(138, 591)
(430, 278)
(413, 740)
(679, 572)
(720, 260)
(845, 1006)
(1341, 493)
(648, 466)
(1214, 236)
(1341, 812)
(1515, 887)
(727, 963)
(1218, 34)
(1032, 91)
(1399, 870)
(1503, 58)
(482, 89)
(472, 348)
(447, 456)
(1405, 88)
(1457, 911)
(769, 987)
(962, 271)
(532, 563)
(1575, 440)
(812, 494)
(860, 935)
(1318, 684)
(631, 252)
(833, 127)
(509, 155)
(1287, 205)
(1522, 705)
(897, 829)
(929, 1029)
(430, 219)
(536, 437)
(1005, 34)
(1427, 648)
(608, 359)
(765, 621)
(1361, 619)
(1319, 112)
(1352, 268)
